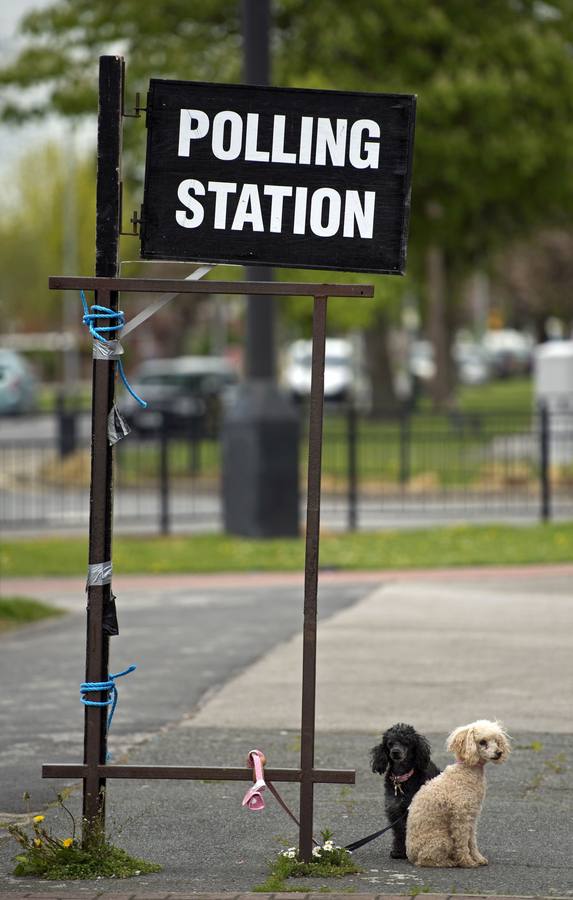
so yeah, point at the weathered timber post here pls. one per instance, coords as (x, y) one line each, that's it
(99, 596)
(311, 578)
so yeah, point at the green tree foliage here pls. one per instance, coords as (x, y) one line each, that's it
(495, 100)
(32, 234)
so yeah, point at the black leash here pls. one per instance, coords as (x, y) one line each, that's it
(356, 844)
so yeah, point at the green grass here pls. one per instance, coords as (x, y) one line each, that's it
(74, 863)
(287, 868)
(452, 450)
(331, 862)
(15, 611)
(44, 855)
(462, 545)
(514, 395)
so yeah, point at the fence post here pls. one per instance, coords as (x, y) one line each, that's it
(352, 436)
(544, 461)
(67, 426)
(404, 447)
(164, 524)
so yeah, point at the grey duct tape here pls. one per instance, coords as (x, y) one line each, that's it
(117, 427)
(99, 573)
(107, 350)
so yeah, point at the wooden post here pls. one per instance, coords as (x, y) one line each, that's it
(311, 577)
(101, 488)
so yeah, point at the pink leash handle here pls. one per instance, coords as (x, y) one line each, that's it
(253, 799)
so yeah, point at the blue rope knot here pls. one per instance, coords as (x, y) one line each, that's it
(90, 318)
(87, 687)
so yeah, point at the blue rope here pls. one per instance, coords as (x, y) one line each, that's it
(118, 321)
(87, 687)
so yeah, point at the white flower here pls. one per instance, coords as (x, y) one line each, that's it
(290, 853)
(328, 845)
(316, 851)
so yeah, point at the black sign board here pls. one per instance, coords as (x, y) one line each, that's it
(277, 176)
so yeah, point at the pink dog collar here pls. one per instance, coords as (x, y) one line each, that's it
(398, 779)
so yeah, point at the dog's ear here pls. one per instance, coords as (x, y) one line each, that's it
(379, 759)
(462, 743)
(503, 742)
(422, 752)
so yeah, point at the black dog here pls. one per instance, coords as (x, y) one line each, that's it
(403, 758)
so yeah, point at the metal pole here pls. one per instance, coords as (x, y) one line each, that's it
(164, 475)
(259, 435)
(404, 447)
(260, 354)
(544, 462)
(311, 578)
(101, 488)
(351, 422)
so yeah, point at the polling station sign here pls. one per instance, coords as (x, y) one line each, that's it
(277, 176)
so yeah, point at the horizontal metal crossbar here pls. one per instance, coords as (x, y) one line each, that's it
(211, 773)
(171, 286)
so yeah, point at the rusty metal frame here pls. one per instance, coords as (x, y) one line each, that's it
(173, 286)
(94, 770)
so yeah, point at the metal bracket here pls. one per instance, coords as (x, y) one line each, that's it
(137, 109)
(135, 221)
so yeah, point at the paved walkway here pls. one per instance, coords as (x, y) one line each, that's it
(90, 895)
(437, 649)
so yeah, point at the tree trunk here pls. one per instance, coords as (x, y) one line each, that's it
(442, 384)
(379, 365)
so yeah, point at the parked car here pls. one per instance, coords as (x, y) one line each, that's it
(344, 379)
(472, 362)
(422, 365)
(510, 352)
(184, 394)
(18, 384)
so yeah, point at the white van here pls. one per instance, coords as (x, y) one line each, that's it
(345, 381)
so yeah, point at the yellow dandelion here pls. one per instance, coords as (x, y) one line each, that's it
(37, 842)
(68, 842)
(38, 819)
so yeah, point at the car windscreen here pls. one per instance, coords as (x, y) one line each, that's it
(175, 381)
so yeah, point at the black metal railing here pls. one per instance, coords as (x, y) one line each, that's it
(388, 470)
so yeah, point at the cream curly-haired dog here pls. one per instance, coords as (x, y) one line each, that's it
(442, 819)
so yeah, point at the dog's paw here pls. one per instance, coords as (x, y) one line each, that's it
(481, 860)
(398, 853)
(466, 862)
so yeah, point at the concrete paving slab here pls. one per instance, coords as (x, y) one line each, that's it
(437, 654)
